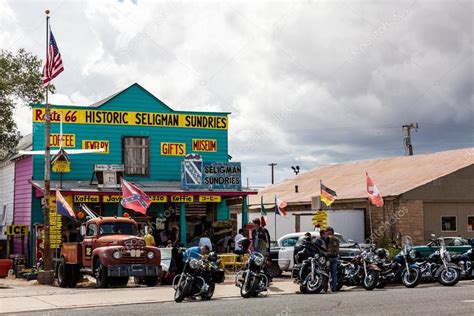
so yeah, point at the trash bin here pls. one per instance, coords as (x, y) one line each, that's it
(5, 265)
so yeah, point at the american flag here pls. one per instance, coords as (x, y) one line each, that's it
(54, 63)
(133, 198)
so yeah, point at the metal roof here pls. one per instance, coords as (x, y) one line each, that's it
(392, 176)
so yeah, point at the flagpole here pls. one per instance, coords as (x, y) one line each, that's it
(275, 215)
(47, 254)
(370, 222)
(320, 201)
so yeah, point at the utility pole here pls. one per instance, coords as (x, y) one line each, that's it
(407, 138)
(273, 171)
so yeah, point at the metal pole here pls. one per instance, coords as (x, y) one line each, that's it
(275, 215)
(273, 168)
(370, 223)
(47, 254)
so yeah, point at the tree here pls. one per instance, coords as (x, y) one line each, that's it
(20, 83)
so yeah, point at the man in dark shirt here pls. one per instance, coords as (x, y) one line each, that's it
(332, 246)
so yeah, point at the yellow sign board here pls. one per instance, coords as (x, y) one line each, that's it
(17, 230)
(96, 144)
(173, 149)
(209, 198)
(204, 145)
(61, 166)
(86, 199)
(55, 223)
(321, 219)
(100, 117)
(69, 140)
(182, 198)
(117, 198)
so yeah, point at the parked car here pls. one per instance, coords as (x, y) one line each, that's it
(283, 255)
(453, 245)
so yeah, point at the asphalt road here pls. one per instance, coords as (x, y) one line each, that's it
(430, 299)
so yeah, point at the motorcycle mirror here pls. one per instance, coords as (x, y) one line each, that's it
(433, 236)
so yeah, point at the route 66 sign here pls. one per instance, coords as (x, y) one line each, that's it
(191, 171)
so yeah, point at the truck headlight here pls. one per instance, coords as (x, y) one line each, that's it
(117, 254)
(150, 255)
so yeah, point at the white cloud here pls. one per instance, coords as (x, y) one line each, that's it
(308, 82)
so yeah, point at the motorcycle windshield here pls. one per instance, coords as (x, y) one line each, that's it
(407, 244)
(442, 247)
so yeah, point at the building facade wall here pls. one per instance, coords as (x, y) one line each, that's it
(23, 197)
(7, 178)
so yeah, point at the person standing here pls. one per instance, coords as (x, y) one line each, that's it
(149, 239)
(205, 241)
(332, 246)
(260, 238)
(237, 246)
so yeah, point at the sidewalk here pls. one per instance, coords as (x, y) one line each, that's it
(24, 296)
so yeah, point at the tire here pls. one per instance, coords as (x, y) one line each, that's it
(151, 281)
(182, 290)
(75, 274)
(64, 273)
(371, 280)
(100, 273)
(411, 277)
(381, 285)
(210, 292)
(449, 277)
(248, 288)
(118, 281)
(275, 270)
(316, 285)
(303, 289)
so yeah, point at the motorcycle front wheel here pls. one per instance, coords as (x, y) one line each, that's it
(371, 280)
(249, 286)
(210, 292)
(449, 277)
(411, 277)
(182, 290)
(314, 285)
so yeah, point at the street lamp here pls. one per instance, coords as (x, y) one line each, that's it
(296, 169)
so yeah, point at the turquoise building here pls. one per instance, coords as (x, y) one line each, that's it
(145, 142)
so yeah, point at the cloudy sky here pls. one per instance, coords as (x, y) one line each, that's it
(308, 82)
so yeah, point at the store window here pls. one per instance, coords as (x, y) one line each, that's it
(136, 155)
(448, 223)
(470, 223)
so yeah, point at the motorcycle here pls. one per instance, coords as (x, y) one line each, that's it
(371, 271)
(253, 278)
(405, 265)
(198, 278)
(311, 268)
(438, 266)
(465, 262)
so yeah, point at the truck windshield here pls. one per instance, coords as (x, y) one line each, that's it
(118, 228)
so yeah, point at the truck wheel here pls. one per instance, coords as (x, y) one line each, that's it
(64, 273)
(75, 274)
(100, 273)
(151, 281)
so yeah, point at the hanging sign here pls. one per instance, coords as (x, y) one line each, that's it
(117, 198)
(86, 199)
(321, 219)
(182, 198)
(61, 166)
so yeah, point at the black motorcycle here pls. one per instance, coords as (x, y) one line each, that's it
(465, 262)
(438, 266)
(253, 278)
(198, 278)
(311, 268)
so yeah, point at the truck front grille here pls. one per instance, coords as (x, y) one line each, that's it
(127, 259)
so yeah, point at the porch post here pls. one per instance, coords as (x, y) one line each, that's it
(245, 214)
(120, 210)
(182, 222)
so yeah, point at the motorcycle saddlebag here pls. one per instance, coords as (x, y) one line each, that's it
(218, 276)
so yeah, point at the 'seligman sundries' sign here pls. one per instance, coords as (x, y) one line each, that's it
(134, 118)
